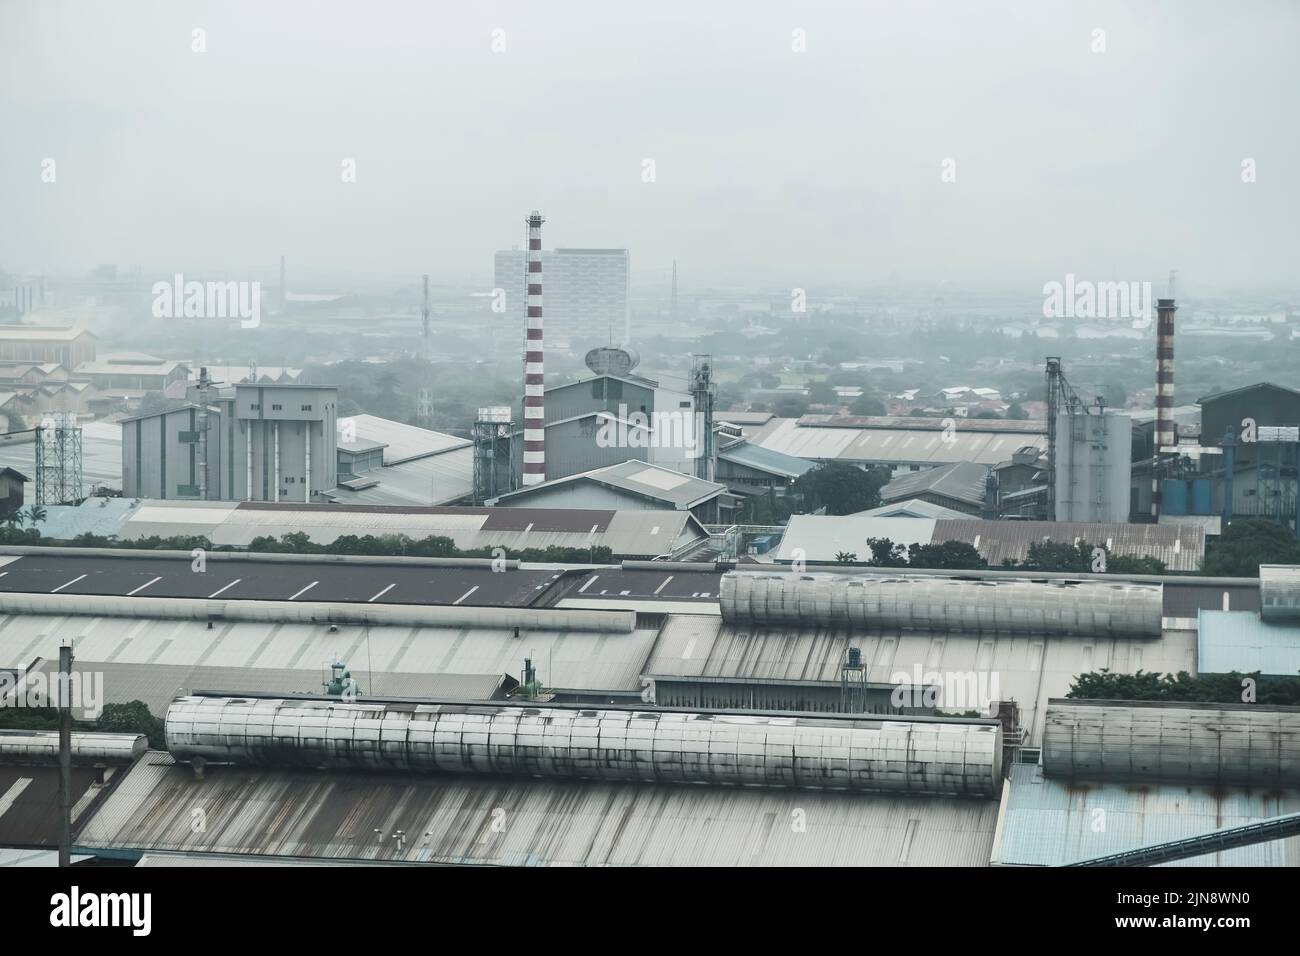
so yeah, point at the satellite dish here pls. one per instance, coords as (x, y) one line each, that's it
(610, 361)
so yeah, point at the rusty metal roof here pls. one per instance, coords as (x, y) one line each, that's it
(29, 803)
(1050, 822)
(539, 822)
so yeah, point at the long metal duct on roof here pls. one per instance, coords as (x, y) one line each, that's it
(1248, 744)
(653, 747)
(42, 747)
(303, 612)
(1017, 606)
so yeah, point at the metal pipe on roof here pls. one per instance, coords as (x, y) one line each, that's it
(814, 753)
(1116, 609)
(41, 747)
(1008, 574)
(1250, 745)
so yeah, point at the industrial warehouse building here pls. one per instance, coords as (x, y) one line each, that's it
(631, 485)
(903, 445)
(1016, 790)
(42, 344)
(627, 533)
(260, 443)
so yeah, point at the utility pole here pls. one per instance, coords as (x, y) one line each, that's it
(65, 755)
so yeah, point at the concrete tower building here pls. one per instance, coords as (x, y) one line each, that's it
(534, 470)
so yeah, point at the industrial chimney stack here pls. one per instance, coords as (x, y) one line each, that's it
(1165, 437)
(534, 472)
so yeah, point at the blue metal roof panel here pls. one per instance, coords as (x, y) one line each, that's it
(1050, 822)
(1242, 641)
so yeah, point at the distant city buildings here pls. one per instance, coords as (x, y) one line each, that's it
(586, 292)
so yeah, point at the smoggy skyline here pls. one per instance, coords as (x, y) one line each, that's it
(840, 144)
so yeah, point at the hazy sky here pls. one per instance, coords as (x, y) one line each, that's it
(772, 166)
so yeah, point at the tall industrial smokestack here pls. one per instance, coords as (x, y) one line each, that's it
(1165, 438)
(534, 380)
(284, 288)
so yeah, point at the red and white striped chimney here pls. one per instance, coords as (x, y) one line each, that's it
(1165, 437)
(534, 380)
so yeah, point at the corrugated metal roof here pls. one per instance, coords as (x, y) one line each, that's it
(405, 442)
(439, 478)
(926, 423)
(677, 488)
(156, 858)
(11, 857)
(580, 660)
(101, 516)
(910, 508)
(1180, 547)
(43, 333)
(29, 803)
(1050, 823)
(1242, 641)
(630, 534)
(822, 537)
(1028, 670)
(156, 685)
(892, 445)
(542, 822)
(766, 459)
(963, 481)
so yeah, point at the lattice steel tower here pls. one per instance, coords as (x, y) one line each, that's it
(58, 460)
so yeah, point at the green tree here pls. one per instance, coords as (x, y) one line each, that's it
(1247, 544)
(839, 488)
(846, 557)
(954, 555)
(790, 406)
(133, 718)
(1210, 688)
(1055, 556)
(886, 554)
(1131, 564)
(867, 405)
(820, 393)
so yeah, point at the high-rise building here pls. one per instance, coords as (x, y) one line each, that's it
(586, 292)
